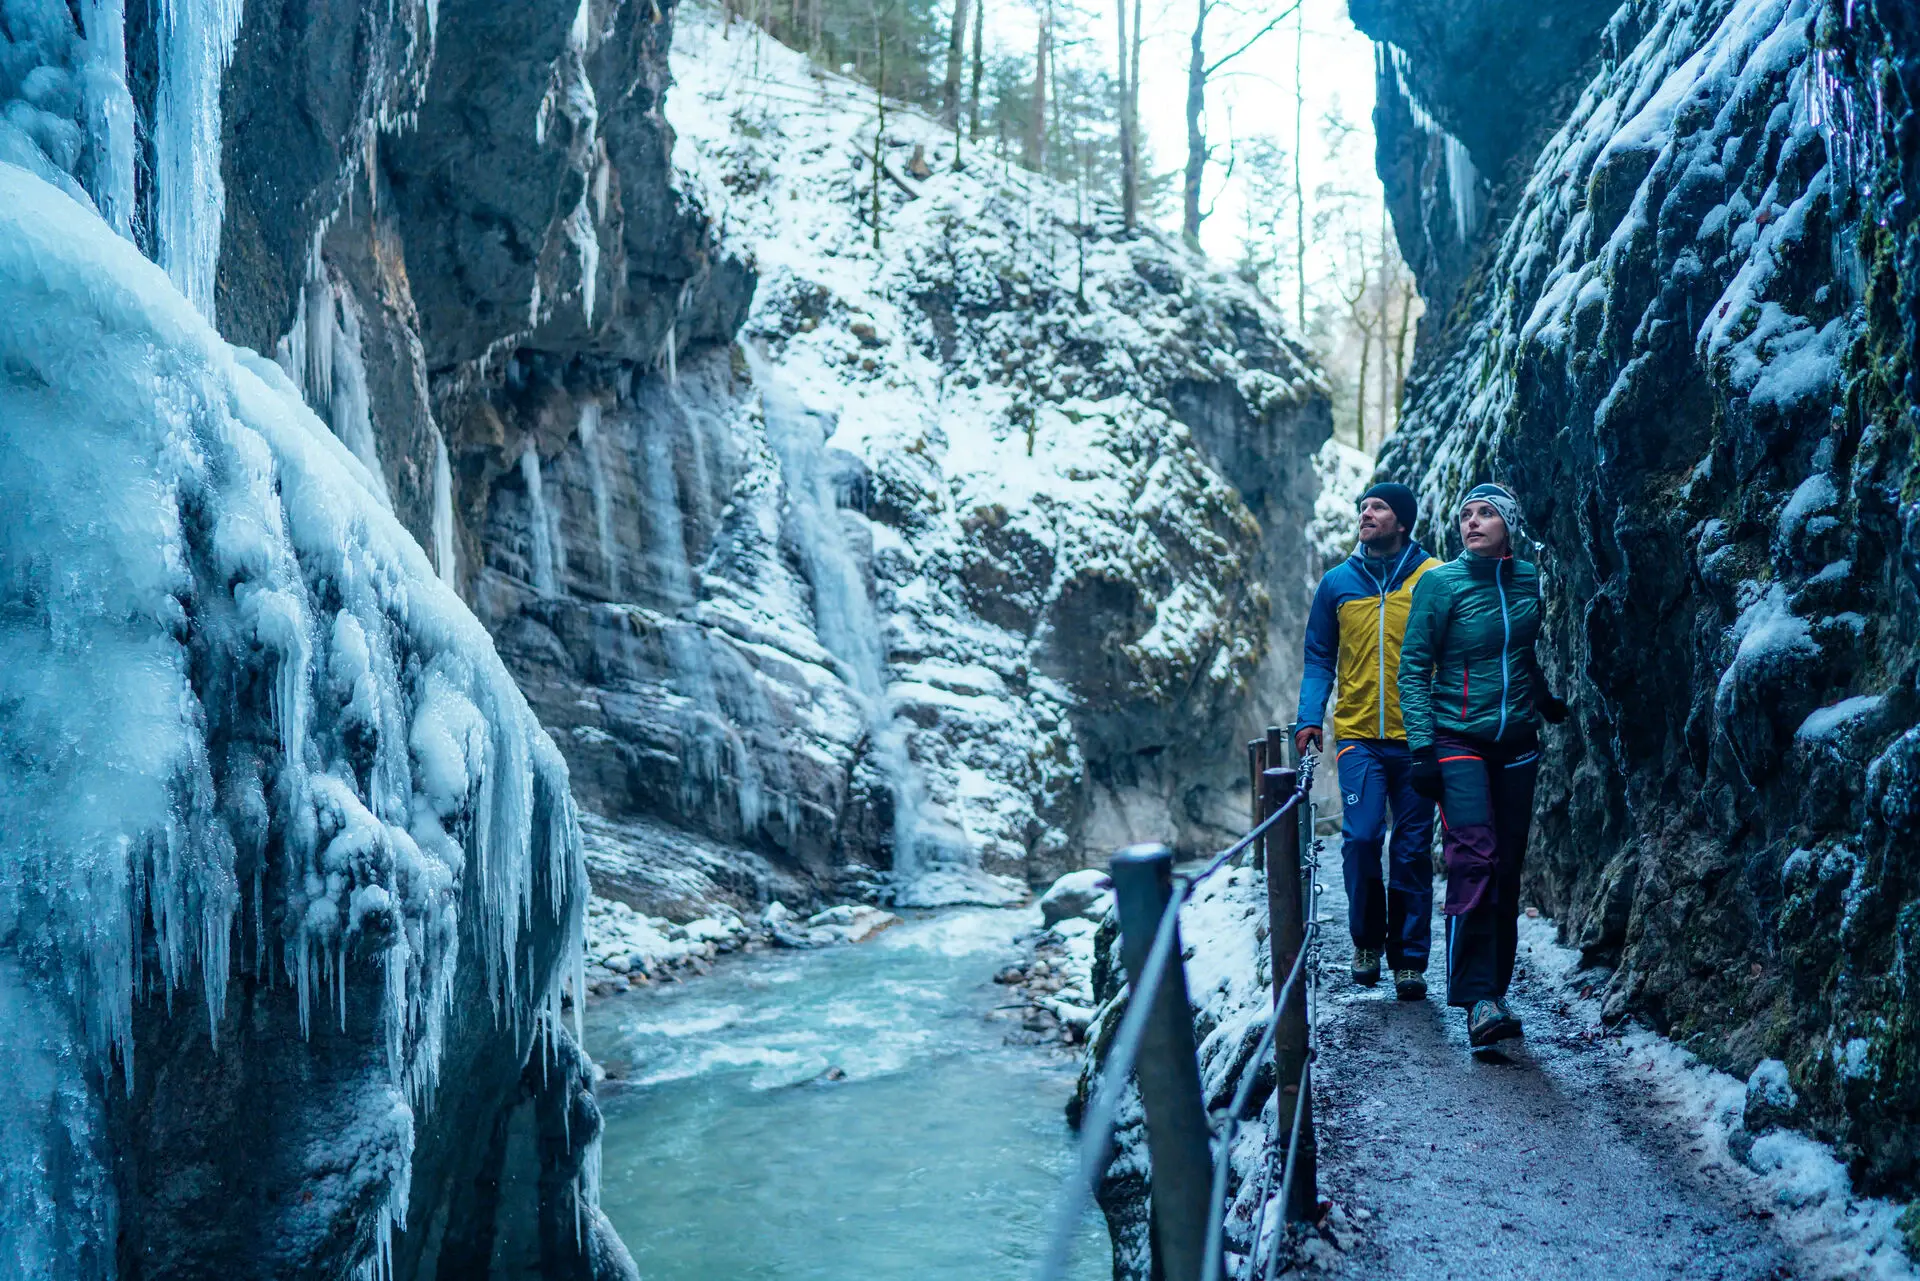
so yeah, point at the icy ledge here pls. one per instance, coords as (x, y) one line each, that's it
(247, 730)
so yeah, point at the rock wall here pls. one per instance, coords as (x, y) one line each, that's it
(1071, 471)
(1683, 333)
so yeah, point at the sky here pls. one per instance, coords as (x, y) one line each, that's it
(1252, 95)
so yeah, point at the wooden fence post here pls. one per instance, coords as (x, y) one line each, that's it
(1168, 1068)
(1286, 935)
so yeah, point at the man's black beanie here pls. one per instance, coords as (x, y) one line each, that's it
(1398, 497)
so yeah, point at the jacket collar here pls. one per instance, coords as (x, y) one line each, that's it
(1487, 566)
(1398, 566)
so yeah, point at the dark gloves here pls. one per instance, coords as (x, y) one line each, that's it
(1552, 710)
(1426, 772)
(1307, 734)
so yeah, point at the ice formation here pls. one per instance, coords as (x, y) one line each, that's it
(249, 728)
(190, 196)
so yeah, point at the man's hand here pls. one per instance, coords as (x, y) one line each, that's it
(1426, 773)
(1305, 735)
(1552, 710)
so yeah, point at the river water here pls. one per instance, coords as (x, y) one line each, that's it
(939, 1155)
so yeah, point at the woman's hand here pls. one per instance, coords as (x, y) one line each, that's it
(1552, 710)
(1426, 772)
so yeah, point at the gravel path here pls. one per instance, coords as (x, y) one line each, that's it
(1538, 1161)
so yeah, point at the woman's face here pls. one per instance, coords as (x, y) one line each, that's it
(1482, 530)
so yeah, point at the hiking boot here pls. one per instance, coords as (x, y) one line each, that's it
(1489, 1021)
(1410, 985)
(1366, 967)
(1511, 1017)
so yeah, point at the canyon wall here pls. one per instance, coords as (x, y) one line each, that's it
(1671, 290)
(919, 561)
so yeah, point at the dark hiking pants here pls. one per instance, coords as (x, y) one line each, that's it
(1485, 810)
(1390, 914)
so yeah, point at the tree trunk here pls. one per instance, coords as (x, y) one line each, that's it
(1299, 185)
(1360, 397)
(1036, 148)
(1387, 275)
(956, 59)
(979, 70)
(1129, 183)
(1400, 344)
(1133, 108)
(1196, 131)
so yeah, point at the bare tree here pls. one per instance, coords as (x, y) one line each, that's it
(1299, 184)
(1035, 152)
(979, 70)
(956, 59)
(1199, 72)
(1129, 143)
(1356, 293)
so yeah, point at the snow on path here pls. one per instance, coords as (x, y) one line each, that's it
(1570, 1149)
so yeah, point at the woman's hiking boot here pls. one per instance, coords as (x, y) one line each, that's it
(1410, 985)
(1490, 1021)
(1366, 967)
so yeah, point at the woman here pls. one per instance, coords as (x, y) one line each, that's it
(1470, 692)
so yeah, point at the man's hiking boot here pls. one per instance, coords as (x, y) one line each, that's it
(1490, 1021)
(1366, 967)
(1410, 985)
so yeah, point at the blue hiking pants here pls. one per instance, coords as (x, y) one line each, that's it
(1388, 914)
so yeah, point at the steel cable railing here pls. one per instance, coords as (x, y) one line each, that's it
(1099, 1122)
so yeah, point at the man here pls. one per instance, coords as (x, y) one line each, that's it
(1358, 620)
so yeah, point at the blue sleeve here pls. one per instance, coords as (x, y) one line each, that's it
(1323, 642)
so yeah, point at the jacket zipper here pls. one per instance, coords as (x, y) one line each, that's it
(1506, 642)
(1382, 644)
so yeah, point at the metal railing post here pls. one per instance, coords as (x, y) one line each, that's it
(1256, 766)
(1305, 816)
(1286, 935)
(1168, 1068)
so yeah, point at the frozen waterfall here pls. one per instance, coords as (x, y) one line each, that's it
(933, 864)
(249, 730)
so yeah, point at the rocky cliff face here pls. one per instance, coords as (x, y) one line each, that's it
(957, 564)
(1683, 332)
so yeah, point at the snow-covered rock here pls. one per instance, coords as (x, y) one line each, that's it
(1086, 895)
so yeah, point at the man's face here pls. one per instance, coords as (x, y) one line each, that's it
(1378, 524)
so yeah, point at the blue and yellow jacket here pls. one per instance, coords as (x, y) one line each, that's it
(1358, 621)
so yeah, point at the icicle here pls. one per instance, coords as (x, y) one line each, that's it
(349, 407)
(586, 247)
(1463, 188)
(318, 323)
(593, 451)
(110, 121)
(443, 538)
(197, 39)
(539, 526)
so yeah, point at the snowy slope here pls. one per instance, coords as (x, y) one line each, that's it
(1071, 463)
